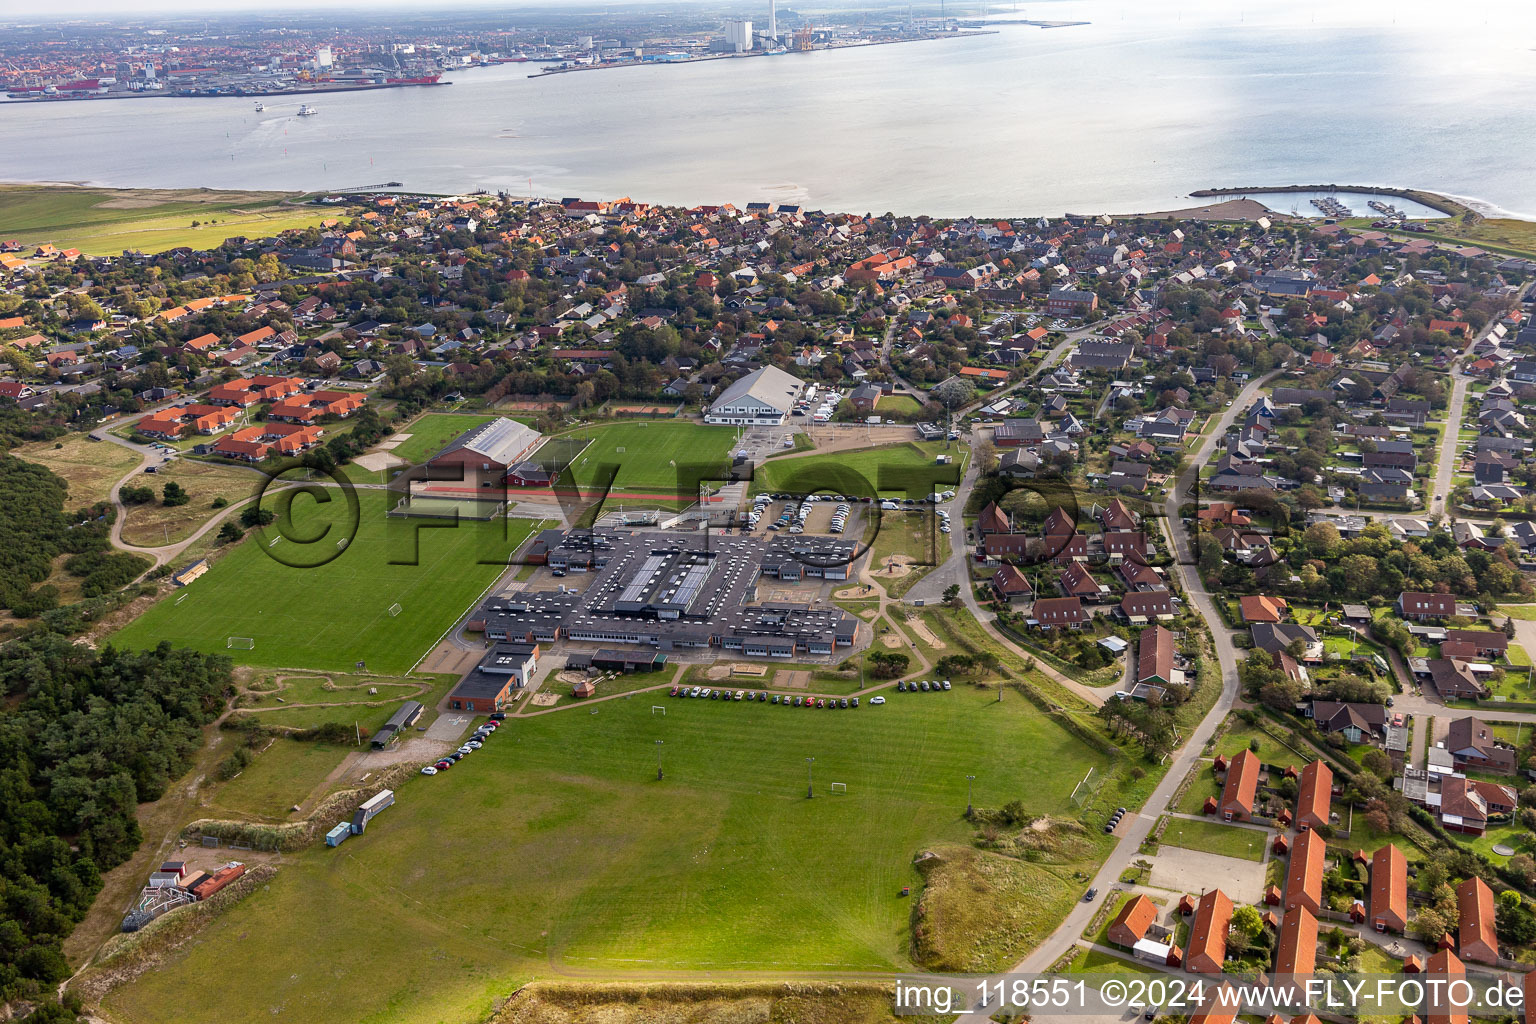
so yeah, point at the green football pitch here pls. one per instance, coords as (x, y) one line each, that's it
(383, 599)
(555, 850)
(646, 455)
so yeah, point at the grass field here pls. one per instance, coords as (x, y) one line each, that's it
(1271, 750)
(154, 524)
(280, 776)
(651, 450)
(431, 431)
(305, 701)
(905, 470)
(107, 221)
(1212, 837)
(555, 847)
(335, 614)
(914, 534)
(90, 467)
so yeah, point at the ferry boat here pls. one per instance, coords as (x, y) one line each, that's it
(307, 111)
(260, 106)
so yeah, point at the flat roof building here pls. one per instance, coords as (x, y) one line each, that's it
(487, 686)
(671, 592)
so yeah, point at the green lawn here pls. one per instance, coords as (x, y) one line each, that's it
(555, 848)
(280, 776)
(914, 535)
(906, 470)
(107, 221)
(1214, 837)
(333, 615)
(645, 456)
(898, 405)
(431, 432)
(305, 703)
(1271, 750)
(1094, 962)
(1524, 612)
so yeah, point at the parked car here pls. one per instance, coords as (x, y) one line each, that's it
(474, 744)
(923, 685)
(946, 684)
(693, 692)
(855, 702)
(843, 703)
(466, 749)
(429, 770)
(901, 686)
(443, 765)
(1089, 895)
(877, 700)
(500, 716)
(775, 699)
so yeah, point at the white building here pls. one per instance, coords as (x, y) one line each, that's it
(761, 398)
(738, 36)
(324, 58)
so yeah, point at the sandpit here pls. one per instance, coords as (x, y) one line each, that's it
(787, 680)
(544, 699)
(891, 641)
(718, 672)
(924, 634)
(853, 593)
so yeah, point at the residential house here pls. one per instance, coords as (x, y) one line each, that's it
(1389, 890)
(1011, 585)
(1356, 722)
(1422, 607)
(1237, 793)
(1139, 608)
(1262, 608)
(1304, 873)
(1476, 938)
(1315, 796)
(1154, 656)
(1208, 935)
(1060, 613)
(1471, 744)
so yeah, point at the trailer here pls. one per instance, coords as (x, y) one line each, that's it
(373, 805)
(338, 835)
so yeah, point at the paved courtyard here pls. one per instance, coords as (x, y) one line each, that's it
(1193, 872)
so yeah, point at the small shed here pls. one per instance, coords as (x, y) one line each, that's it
(585, 688)
(1210, 806)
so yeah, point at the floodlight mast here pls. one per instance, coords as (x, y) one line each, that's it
(810, 789)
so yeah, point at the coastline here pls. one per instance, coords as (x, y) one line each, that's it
(222, 95)
(703, 58)
(1433, 200)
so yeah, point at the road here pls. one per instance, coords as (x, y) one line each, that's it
(1133, 835)
(1446, 467)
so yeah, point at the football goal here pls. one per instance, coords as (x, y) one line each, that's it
(657, 707)
(240, 643)
(394, 609)
(839, 787)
